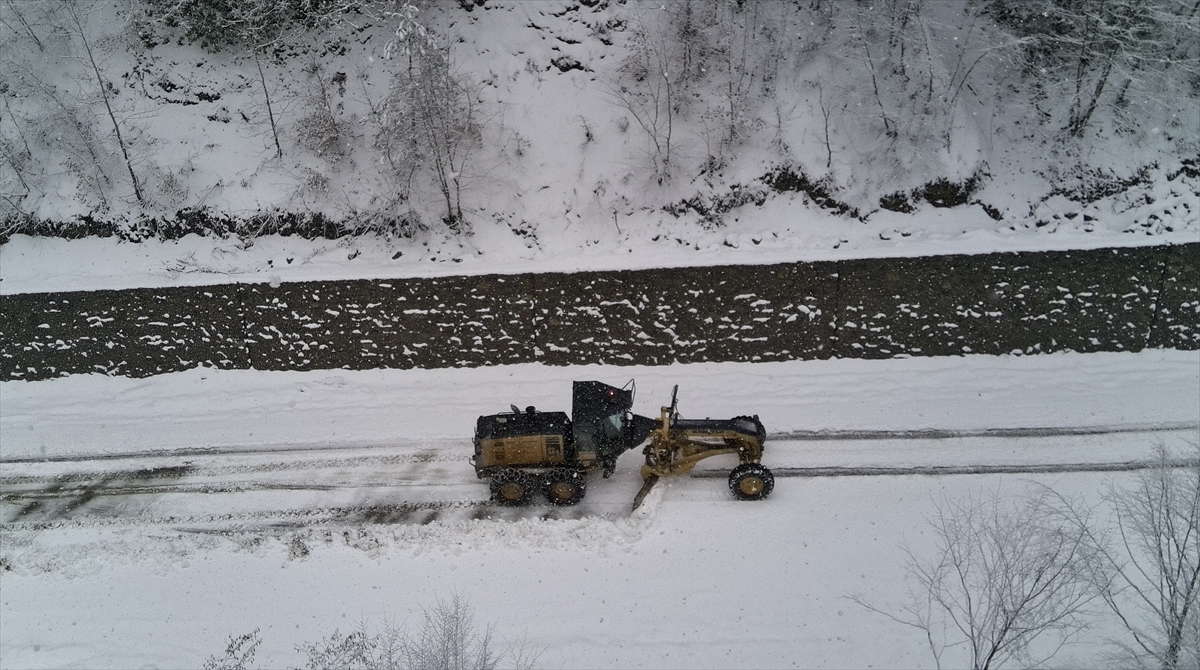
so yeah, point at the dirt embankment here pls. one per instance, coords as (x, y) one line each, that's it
(1099, 300)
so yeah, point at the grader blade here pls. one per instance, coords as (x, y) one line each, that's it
(645, 490)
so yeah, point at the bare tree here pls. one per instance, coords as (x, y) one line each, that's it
(256, 25)
(262, 79)
(17, 155)
(978, 43)
(1004, 573)
(904, 53)
(449, 638)
(689, 24)
(398, 141)
(50, 125)
(431, 117)
(48, 128)
(1150, 557)
(1106, 54)
(826, 110)
(14, 16)
(650, 85)
(887, 36)
(81, 32)
(259, 25)
(738, 63)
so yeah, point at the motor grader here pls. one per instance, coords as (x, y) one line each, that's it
(526, 452)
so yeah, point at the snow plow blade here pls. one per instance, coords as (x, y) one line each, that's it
(645, 490)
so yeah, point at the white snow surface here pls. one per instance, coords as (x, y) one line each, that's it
(94, 414)
(38, 264)
(692, 579)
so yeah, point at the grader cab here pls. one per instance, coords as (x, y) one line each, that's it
(524, 452)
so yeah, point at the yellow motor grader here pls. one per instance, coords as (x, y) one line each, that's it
(526, 452)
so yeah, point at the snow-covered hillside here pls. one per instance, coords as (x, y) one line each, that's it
(800, 140)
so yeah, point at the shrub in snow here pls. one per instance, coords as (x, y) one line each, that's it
(239, 654)
(319, 133)
(447, 638)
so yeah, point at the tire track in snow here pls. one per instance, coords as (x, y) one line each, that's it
(431, 453)
(140, 491)
(277, 519)
(943, 434)
(823, 471)
(425, 512)
(425, 451)
(944, 470)
(190, 469)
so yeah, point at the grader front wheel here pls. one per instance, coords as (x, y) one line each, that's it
(751, 481)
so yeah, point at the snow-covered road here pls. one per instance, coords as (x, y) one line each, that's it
(233, 449)
(419, 482)
(144, 521)
(173, 559)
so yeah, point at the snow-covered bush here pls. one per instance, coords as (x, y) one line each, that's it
(319, 131)
(239, 653)
(447, 637)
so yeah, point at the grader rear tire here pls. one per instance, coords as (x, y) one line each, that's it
(512, 487)
(565, 487)
(751, 481)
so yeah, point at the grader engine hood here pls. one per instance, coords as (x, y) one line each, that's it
(602, 422)
(745, 425)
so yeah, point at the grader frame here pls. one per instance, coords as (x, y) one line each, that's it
(677, 445)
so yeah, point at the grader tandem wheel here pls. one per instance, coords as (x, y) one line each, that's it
(561, 486)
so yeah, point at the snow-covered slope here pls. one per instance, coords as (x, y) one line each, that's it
(560, 174)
